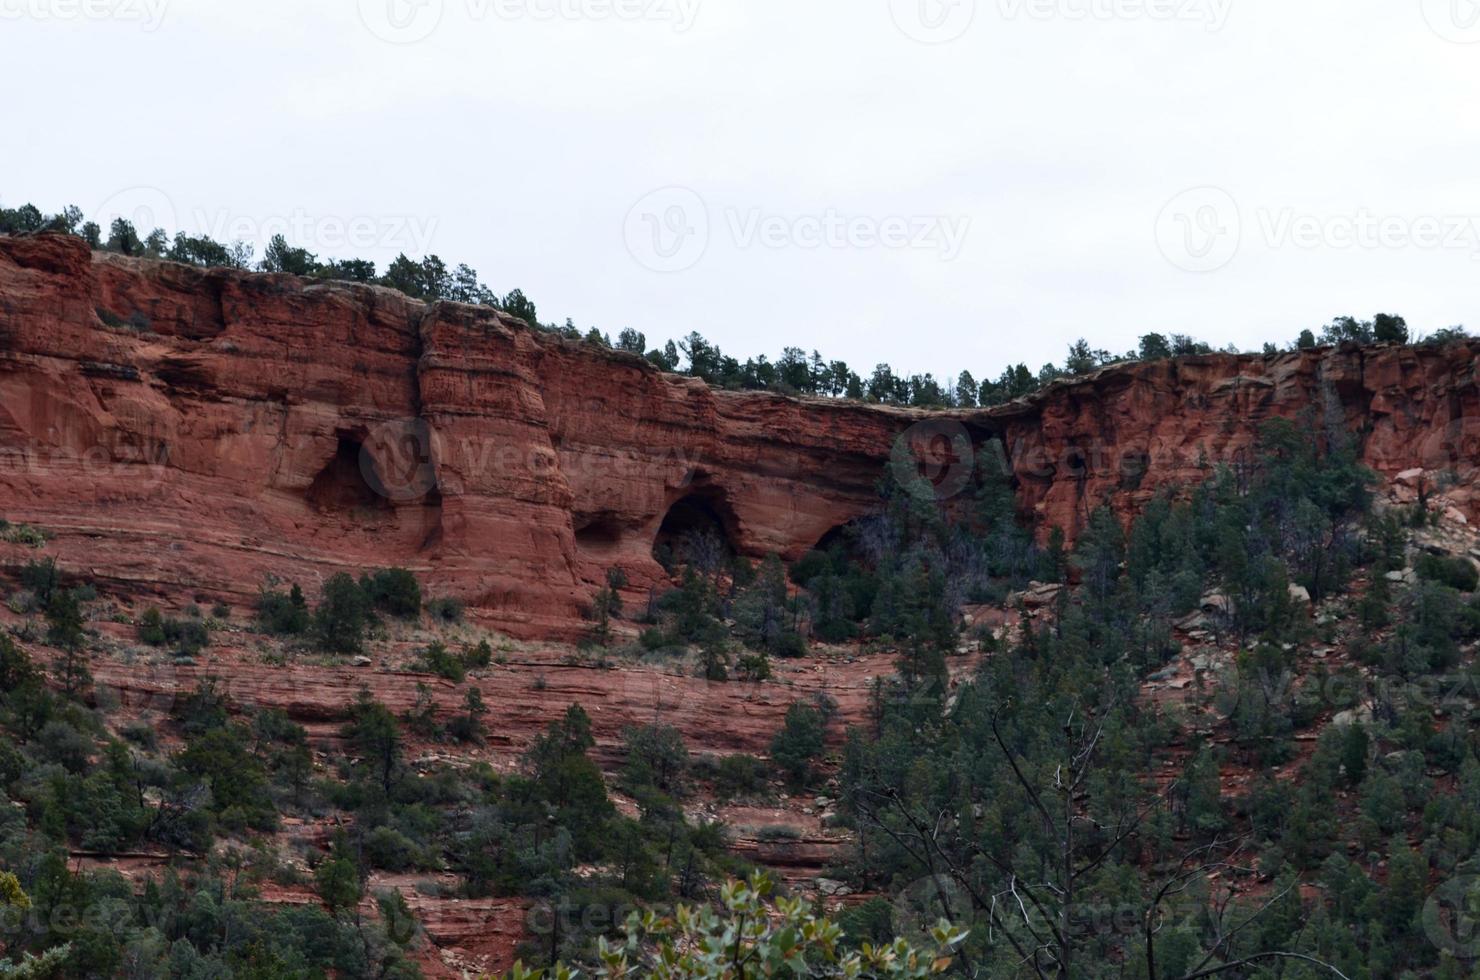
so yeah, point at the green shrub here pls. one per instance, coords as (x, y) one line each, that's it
(390, 850)
(739, 775)
(187, 636)
(202, 709)
(445, 610)
(810, 566)
(342, 616)
(150, 629)
(283, 613)
(25, 534)
(777, 832)
(790, 939)
(141, 734)
(64, 745)
(657, 757)
(221, 757)
(799, 742)
(64, 620)
(72, 672)
(468, 726)
(754, 667)
(337, 881)
(42, 578)
(393, 591)
(16, 666)
(373, 733)
(791, 644)
(437, 659)
(1457, 573)
(479, 656)
(12, 763)
(871, 922)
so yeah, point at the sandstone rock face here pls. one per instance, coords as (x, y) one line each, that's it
(189, 431)
(180, 430)
(1125, 433)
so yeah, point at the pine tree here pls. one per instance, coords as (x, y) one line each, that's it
(64, 621)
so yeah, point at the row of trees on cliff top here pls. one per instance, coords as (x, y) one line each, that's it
(794, 372)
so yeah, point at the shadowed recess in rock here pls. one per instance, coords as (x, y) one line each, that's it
(598, 534)
(698, 528)
(341, 484)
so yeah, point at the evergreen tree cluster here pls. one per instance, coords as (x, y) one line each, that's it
(1033, 804)
(793, 372)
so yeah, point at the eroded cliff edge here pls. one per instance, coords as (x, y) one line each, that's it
(181, 430)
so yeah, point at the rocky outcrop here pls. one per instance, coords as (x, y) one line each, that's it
(1125, 433)
(181, 430)
(200, 431)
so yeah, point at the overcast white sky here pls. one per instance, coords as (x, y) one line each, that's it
(940, 184)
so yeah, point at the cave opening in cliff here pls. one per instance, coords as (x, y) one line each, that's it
(855, 539)
(598, 534)
(697, 531)
(1077, 463)
(341, 485)
(841, 536)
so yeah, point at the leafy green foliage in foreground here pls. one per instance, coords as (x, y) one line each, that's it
(753, 938)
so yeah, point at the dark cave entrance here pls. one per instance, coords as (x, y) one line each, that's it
(341, 484)
(698, 530)
(598, 534)
(856, 542)
(839, 536)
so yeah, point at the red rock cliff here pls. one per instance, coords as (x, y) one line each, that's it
(182, 430)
